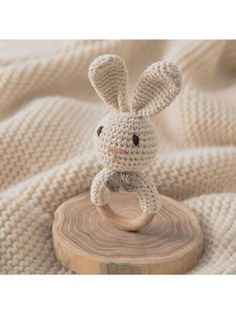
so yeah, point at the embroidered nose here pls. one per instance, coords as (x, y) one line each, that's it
(116, 151)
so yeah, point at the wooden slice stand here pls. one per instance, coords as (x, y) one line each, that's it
(171, 243)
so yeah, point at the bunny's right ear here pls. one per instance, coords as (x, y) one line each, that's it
(157, 87)
(108, 75)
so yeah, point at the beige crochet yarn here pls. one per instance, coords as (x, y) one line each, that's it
(125, 139)
(48, 111)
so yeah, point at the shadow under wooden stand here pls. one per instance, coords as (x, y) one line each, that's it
(171, 243)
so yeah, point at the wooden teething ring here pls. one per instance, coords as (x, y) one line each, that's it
(123, 223)
(108, 180)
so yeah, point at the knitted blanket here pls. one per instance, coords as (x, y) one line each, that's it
(48, 111)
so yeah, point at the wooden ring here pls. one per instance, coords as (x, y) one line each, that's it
(124, 223)
(106, 181)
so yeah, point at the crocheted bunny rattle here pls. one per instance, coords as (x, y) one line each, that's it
(125, 139)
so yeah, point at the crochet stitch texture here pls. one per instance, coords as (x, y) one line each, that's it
(48, 111)
(125, 139)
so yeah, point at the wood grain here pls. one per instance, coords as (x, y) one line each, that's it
(171, 243)
(122, 222)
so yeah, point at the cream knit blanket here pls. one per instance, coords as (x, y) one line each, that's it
(48, 111)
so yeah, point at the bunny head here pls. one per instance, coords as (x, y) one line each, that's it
(125, 139)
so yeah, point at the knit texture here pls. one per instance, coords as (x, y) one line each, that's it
(126, 141)
(49, 111)
(157, 87)
(115, 147)
(109, 180)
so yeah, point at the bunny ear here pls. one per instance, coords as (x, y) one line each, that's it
(157, 87)
(108, 75)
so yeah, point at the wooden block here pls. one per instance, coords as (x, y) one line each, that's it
(171, 244)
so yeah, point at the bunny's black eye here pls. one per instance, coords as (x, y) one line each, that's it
(99, 130)
(135, 139)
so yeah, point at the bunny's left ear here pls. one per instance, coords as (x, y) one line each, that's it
(157, 87)
(108, 75)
